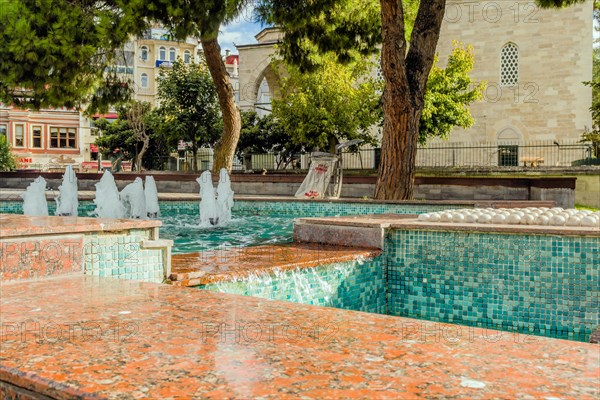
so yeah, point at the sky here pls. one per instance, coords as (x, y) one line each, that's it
(240, 31)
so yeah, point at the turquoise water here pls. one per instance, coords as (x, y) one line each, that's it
(241, 231)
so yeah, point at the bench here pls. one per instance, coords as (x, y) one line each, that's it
(532, 161)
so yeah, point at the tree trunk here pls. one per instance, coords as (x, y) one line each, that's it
(138, 161)
(195, 158)
(405, 74)
(232, 124)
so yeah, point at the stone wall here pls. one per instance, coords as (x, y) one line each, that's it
(561, 190)
(550, 101)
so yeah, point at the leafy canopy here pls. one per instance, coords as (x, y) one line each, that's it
(449, 92)
(189, 105)
(54, 52)
(329, 105)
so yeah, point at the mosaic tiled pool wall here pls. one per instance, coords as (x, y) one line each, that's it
(122, 256)
(354, 285)
(85, 208)
(322, 209)
(292, 208)
(534, 284)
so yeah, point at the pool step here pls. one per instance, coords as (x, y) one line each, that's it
(352, 230)
(201, 268)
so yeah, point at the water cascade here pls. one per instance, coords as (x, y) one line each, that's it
(208, 204)
(108, 202)
(224, 197)
(133, 199)
(66, 202)
(34, 198)
(151, 194)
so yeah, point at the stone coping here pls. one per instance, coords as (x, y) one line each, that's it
(200, 268)
(526, 182)
(17, 225)
(15, 195)
(408, 221)
(91, 337)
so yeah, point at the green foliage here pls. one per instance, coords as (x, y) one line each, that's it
(54, 52)
(189, 105)
(118, 139)
(333, 103)
(350, 29)
(449, 93)
(266, 135)
(7, 158)
(200, 18)
(558, 3)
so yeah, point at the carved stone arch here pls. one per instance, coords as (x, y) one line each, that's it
(509, 134)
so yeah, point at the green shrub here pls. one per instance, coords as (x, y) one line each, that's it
(7, 159)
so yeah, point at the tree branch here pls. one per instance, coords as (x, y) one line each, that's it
(423, 42)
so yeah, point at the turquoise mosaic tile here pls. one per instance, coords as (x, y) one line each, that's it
(323, 209)
(354, 285)
(120, 256)
(532, 284)
(280, 208)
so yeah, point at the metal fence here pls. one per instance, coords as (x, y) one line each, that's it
(458, 155)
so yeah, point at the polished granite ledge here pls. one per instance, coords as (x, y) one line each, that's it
(90, 337)
(16, 225)
(201, 268)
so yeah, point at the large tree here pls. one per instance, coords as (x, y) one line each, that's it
(189, 105)
(55, 52)
(203, 19)
(350, 27)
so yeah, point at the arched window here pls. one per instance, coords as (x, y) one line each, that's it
(162, 54)
(172, 54)
(144, 80)
(509, 65)
(187, 57)
(144, 53)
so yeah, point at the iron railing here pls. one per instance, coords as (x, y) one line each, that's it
(459, 155)
(500, 155)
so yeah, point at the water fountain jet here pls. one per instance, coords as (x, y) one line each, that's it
(67, 202)
(34, 198)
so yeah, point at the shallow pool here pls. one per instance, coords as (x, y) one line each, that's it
(241, 231)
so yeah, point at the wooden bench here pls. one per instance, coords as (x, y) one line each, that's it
(532, 161)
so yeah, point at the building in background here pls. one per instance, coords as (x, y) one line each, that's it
(47, 138)
(533, 60)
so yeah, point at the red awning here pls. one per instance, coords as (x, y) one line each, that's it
(107, 116)
(93, 148)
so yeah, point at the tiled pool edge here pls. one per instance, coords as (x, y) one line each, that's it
(37, 247)
(423, 254)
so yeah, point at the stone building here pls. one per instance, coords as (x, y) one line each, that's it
(534, 62)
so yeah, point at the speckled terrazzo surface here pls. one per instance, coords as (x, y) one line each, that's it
(205, 267)
(105, 338)
(14, 225)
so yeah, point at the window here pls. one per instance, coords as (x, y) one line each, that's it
(162, 54)
(144, 80)
(144, 54)
(19, 136)
(172, 54)
(509, 65)
(508, 156)
(187, 57)
(3, 130)
(36, 137)
(63, 138)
